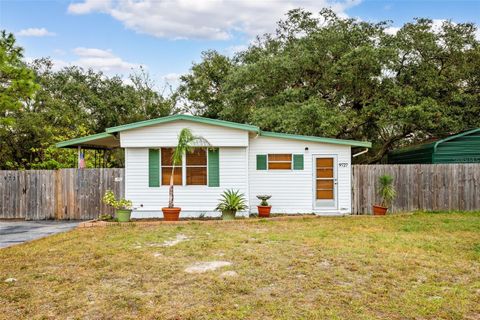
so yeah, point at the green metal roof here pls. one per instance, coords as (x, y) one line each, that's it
(463, 147)
(223, 123)
(355, 143)
(108, 136)
(103, 139)
(466, 133)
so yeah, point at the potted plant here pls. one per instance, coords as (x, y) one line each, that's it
(186, 142)
(123, 207)
(264, 208)
(387, 193)
(231, 202)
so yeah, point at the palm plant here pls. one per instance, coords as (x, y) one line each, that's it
(186, 142)
(387, 190)
(232, 200)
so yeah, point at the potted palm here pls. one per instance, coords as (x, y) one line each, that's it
(123, 207)
(186, 142)
(387, 193)
(264, 208)
(231, 201)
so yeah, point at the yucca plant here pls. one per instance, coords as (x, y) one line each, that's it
(386, 190)
(231, 201)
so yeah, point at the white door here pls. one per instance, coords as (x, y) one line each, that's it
(325, 181)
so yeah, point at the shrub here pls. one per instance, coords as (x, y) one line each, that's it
(109, 199)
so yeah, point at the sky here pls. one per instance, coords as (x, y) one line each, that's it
(166, 36)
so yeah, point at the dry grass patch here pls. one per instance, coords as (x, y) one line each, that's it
(423, 266)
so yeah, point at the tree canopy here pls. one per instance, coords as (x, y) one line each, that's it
(69, 103)
(345, 78)
(319, 75)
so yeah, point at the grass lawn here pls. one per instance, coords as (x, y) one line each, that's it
(422, 266)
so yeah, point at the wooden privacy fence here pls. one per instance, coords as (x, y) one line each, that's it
(419, 187)
(71, 194)
(66, 194)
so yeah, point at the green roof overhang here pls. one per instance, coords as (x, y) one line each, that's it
(102, 140)
(353, 143)
(107, 140)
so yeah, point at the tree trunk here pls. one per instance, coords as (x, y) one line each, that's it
(170, 189)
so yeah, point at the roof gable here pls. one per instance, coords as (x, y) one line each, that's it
(99, 138)
(222, 123)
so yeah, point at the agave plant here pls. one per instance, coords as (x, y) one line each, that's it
(186, 142)
(387, 190)
(232, 200)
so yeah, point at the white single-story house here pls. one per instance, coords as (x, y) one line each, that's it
(303, 174)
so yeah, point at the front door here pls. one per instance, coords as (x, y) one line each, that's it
(325, 181)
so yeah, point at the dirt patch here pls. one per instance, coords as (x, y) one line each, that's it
(201, 267)
(179, 238)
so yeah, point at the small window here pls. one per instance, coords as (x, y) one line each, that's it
(196, 166)
(167, 168)
(280, 161)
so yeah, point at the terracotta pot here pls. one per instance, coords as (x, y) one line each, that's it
(379, 210)
(171, 214)
(264, 211)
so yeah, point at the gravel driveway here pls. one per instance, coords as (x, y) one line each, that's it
(15, 232)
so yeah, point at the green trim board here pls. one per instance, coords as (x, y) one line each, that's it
(223, 123)
(355, 143)
(84, 140)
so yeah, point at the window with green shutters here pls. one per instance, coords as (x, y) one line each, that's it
(194, 167)
(282, 161)
(153, 168)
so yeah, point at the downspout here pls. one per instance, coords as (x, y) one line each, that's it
(360, 153)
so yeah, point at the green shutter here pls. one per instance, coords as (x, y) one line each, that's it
(153, 168)
(298, 162)
(261, 162)
(213, 168)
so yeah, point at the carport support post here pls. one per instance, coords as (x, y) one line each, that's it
(79, 148)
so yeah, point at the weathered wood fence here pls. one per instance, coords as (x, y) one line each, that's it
(419, 186)
(71, 194)
(66, 194)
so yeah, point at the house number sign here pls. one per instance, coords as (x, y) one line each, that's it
(343, 164)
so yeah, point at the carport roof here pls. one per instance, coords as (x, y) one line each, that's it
(102, 140)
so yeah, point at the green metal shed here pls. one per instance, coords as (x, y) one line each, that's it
(460, 148)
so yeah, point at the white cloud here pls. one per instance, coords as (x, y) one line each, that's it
(35, 32)
(392, 30)
(232, 50)
(103, 60)
(171, 78)
(203, 19)
(89, 6)
(96, 59)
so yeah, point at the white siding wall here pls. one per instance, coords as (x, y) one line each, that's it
(292, 190)
(166, 135)
(193, 200)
